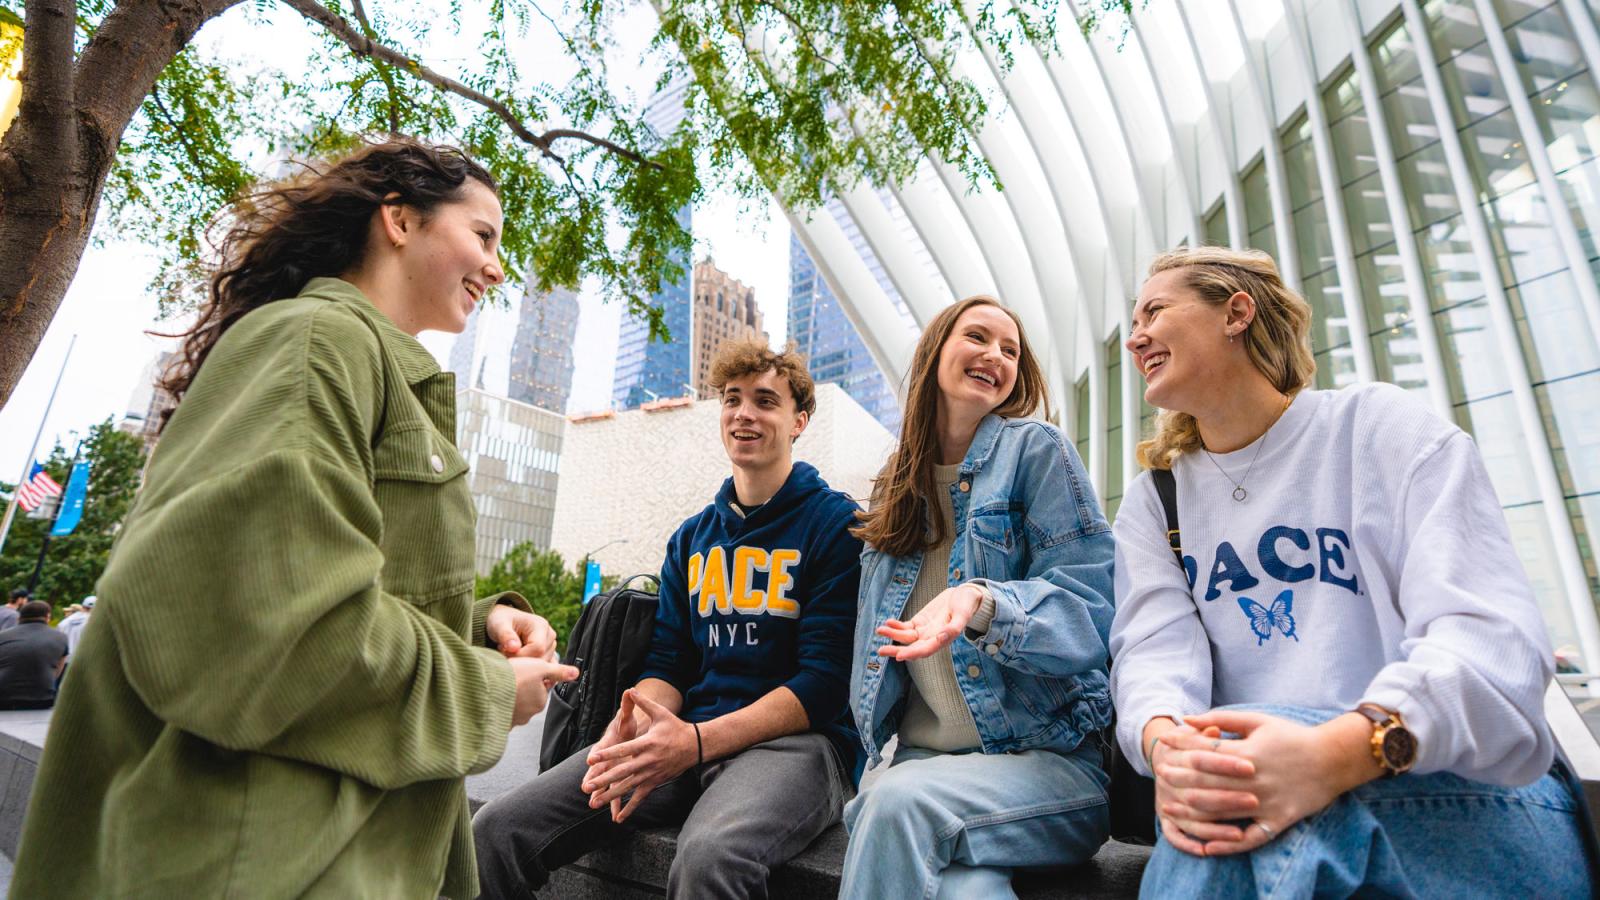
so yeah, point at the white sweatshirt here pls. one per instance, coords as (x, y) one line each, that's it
(1370, 563)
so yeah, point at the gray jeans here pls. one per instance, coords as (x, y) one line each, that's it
(740, 816)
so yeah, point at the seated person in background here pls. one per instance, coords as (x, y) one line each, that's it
(72, 626)
(31, 657)
(738, 728)
(1348, 606)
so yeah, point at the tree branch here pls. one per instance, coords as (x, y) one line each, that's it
(44, 115)
(383, 69)
(364, 46)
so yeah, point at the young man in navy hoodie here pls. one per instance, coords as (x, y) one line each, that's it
(739, 729)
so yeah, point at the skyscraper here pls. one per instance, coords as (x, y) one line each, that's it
(724, 310)
(541, 354)
(820, 330)
(649, 369)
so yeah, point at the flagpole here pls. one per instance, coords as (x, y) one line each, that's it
(27, 466)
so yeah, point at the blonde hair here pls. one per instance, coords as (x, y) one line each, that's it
(1278, 339)
(902, 495)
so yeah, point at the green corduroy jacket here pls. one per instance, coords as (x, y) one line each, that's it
(279, 693)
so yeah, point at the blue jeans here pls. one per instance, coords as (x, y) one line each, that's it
(1436, 835)
(956, 824)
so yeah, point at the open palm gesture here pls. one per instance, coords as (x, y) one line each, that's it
(935, 626)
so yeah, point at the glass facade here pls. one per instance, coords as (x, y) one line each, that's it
(649, 370)
(833, 350)
(541, 354)
(513, 453)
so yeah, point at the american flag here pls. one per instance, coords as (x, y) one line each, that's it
(36, 489)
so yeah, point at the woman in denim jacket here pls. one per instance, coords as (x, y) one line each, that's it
(982, 632)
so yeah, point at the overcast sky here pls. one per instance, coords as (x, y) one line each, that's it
(109, 310)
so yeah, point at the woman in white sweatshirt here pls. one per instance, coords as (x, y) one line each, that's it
(1340, 689)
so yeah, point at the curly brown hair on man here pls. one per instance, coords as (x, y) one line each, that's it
(738, 359)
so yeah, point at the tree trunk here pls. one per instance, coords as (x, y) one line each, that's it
(56, 155)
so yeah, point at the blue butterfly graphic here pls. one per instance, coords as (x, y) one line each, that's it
(1262, 619)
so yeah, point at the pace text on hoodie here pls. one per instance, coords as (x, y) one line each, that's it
(753, 603)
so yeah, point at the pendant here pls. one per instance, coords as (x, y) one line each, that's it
(1239, 493)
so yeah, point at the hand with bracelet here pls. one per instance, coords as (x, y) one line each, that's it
(644, 747)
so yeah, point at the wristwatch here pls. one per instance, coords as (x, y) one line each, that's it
(1393, 745)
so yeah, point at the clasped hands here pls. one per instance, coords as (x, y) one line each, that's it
(645, 746)
(1217, 796)
(529, 644)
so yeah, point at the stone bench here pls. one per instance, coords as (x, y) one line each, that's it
(636, 866)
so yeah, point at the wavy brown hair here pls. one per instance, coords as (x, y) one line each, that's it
(1278, 339)
(899, 522)
(314, 225)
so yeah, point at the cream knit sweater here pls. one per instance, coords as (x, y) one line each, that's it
(936, 716)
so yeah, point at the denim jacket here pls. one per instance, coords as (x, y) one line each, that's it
(1029, 529)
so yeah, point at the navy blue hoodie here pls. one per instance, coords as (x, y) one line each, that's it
(752, 604)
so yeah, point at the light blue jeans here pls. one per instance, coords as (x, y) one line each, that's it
(956, 824)
(1435, 835)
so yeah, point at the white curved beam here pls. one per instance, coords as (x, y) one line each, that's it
(863, 301)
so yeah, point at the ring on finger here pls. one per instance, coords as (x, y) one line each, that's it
(1263, 826)
(1215, 743)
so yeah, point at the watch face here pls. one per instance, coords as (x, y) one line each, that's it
(1399, 749)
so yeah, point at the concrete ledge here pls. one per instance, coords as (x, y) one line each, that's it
(21, 740)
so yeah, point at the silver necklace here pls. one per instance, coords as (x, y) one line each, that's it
(1239, 493)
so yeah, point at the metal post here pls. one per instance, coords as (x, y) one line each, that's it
(27, 467)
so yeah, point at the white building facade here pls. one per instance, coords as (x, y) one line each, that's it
(1426, 174)
(629, 479)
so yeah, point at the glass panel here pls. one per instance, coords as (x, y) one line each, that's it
(1257, 202)
(1472, 85)
(1394, 60)
(1449, 263)
(1430, 194)
(1554, 332)
(1511, 11)
(1472, 362)
(1585, 513)
(1530, 535)
(1368, 214)
(1342, 97)
(1410, 119)
(1452, 26)
(1493, 423)
(1569, 120)
(1329, 328)
(1313, 238)
(1082, 390)
(1352, 148)
(1383, 288)
(1216, 226)
(1300, 167)
(1397, 354)
(1265, 240)
(1113, 423)
(1543, 47)
(1496, 155)
(1524, 242)
(1571, 412)
(1336, 368)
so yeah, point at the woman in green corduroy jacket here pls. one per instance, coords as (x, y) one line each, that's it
(287, 676)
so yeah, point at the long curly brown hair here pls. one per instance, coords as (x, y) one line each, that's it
(315, 225)
(898, 522)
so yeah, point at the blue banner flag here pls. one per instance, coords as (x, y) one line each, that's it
(591, 580)
(72, 500)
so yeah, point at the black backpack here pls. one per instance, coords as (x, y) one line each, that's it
(608, 645)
